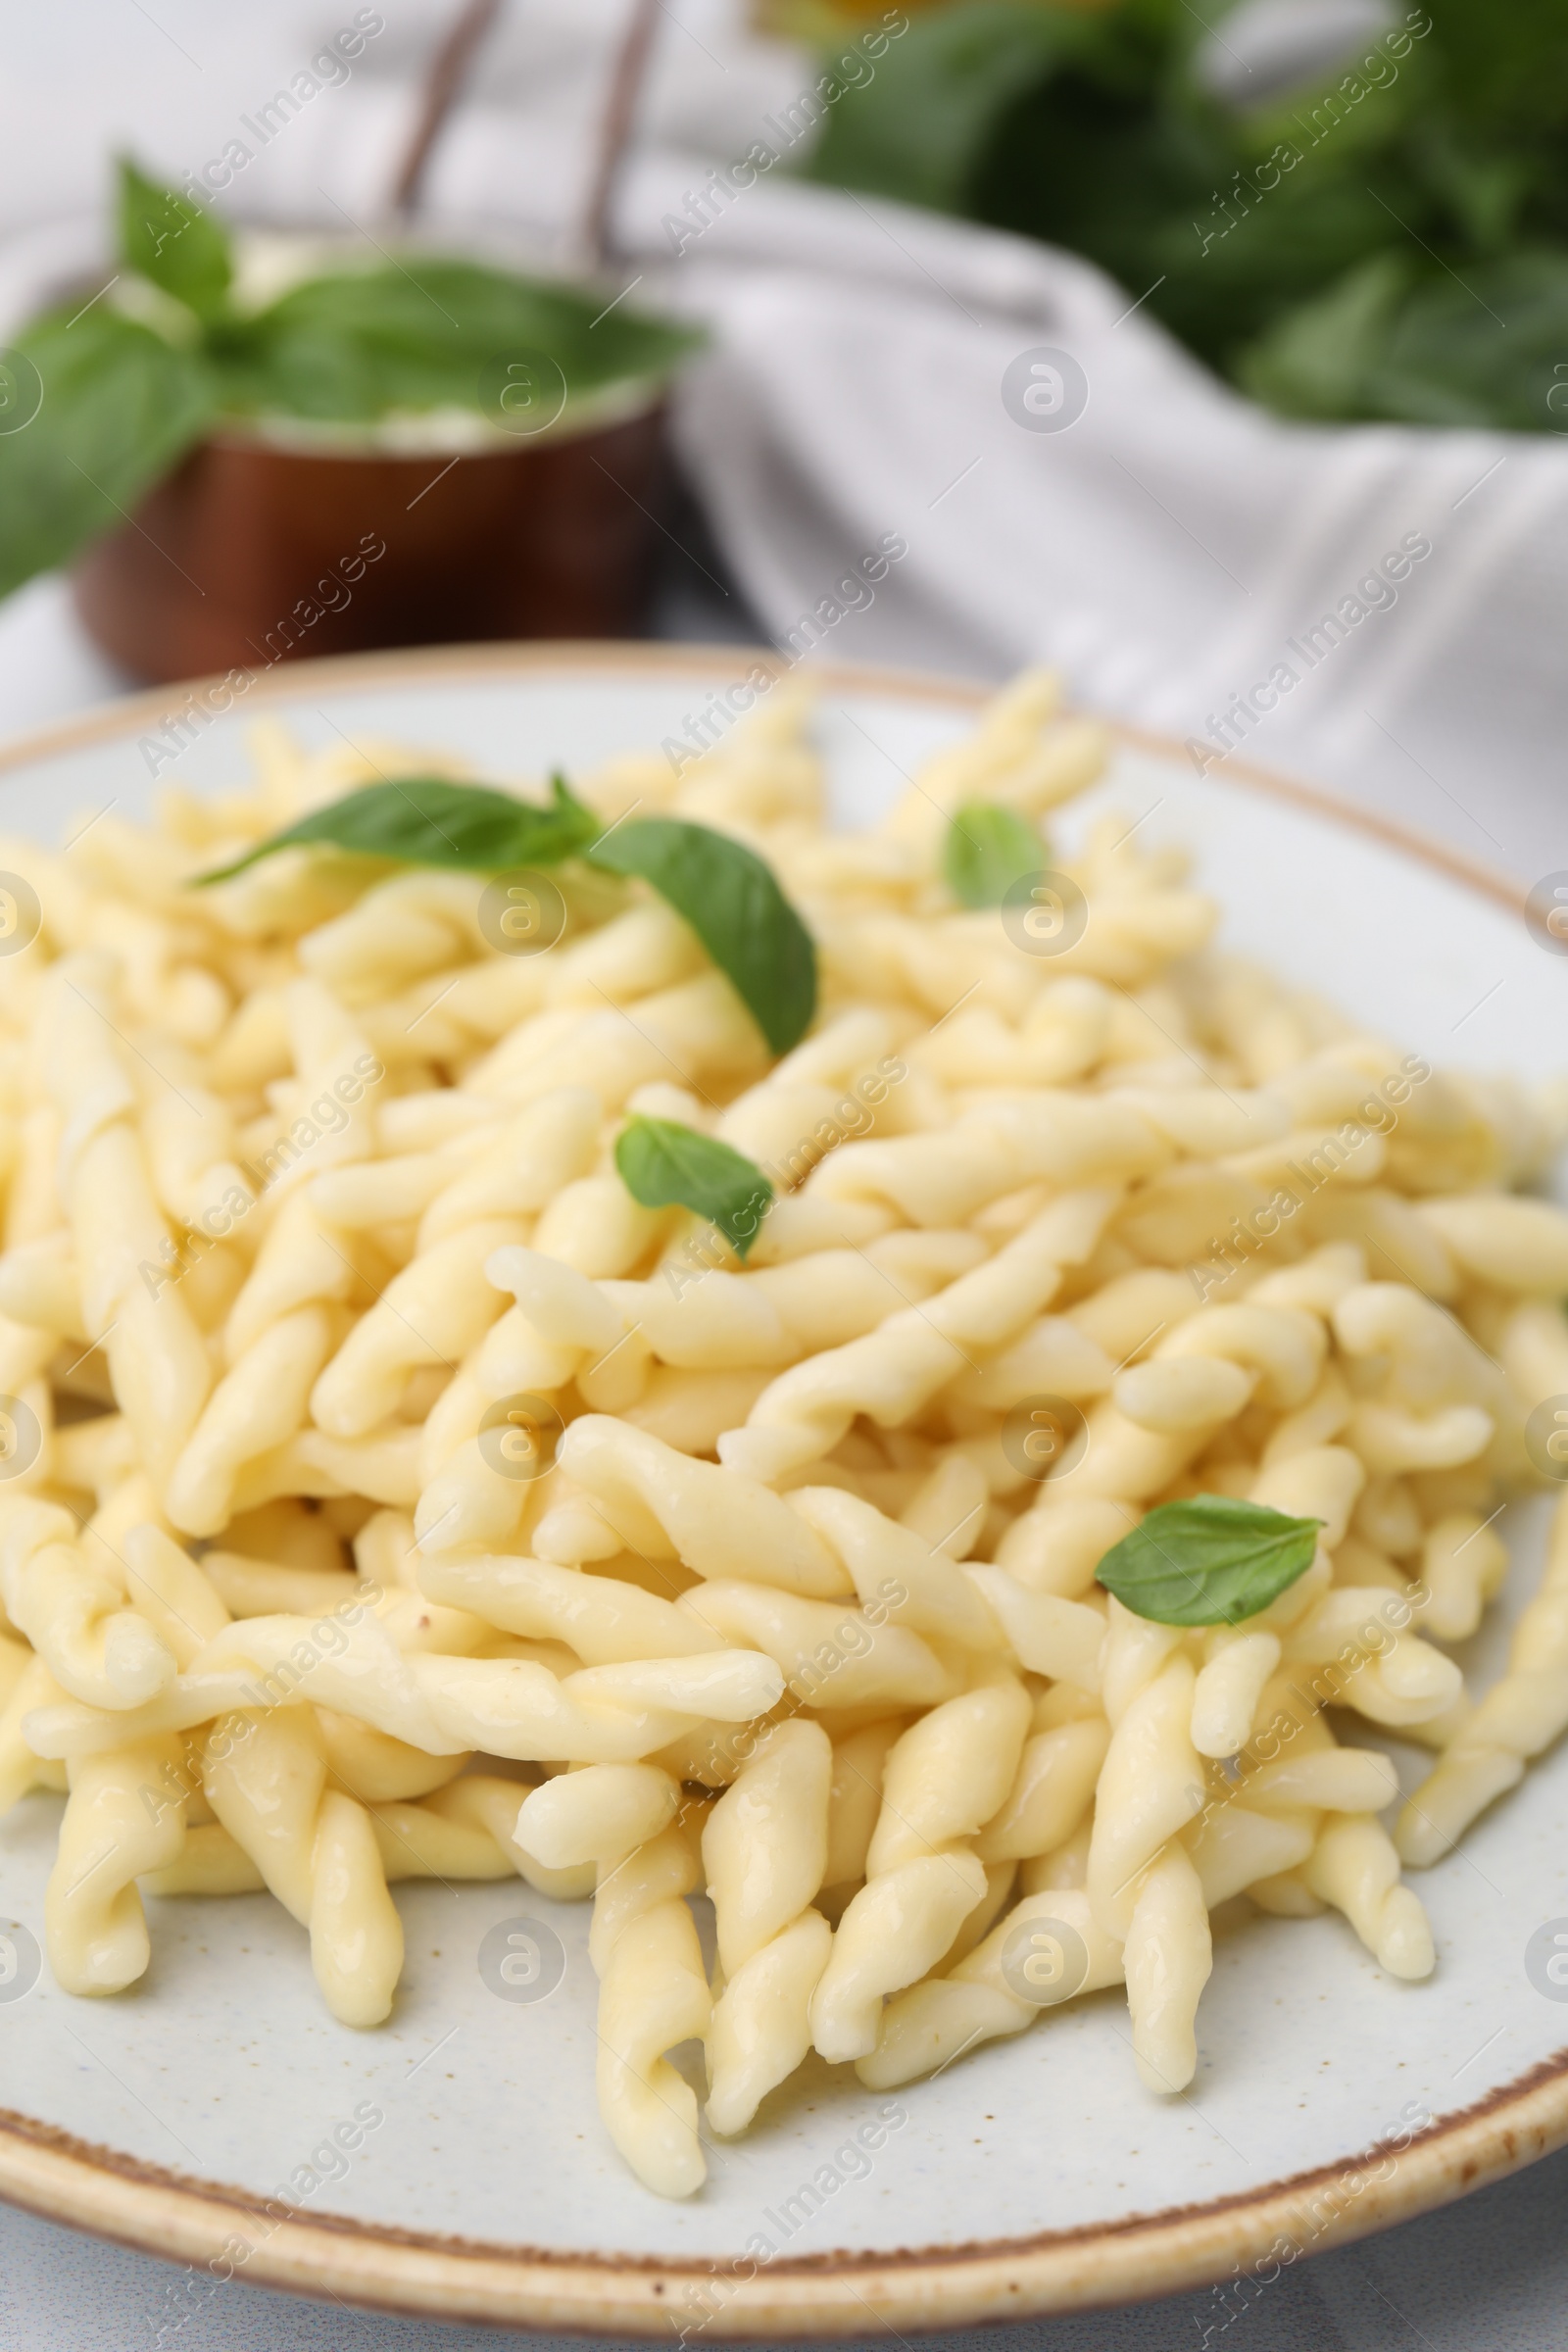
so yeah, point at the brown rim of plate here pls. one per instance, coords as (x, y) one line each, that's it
(838, 2293)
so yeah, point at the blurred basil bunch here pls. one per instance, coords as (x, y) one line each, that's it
(1389, 240)
(125, 386)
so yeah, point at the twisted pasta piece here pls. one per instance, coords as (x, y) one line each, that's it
(300, 1263)
(1532, 1349)
(1463, 1563)
(74, 1612)
(264, 1776)
(1390, 1676)
(1441, 1393)
(448, 1013)
(945, 1779)
(446, 1705)
(256, 1407)
(714, 1521)
(653, 1994)
(1518, 1719)
(765, 1853)
(917, 1585)
(373, 1194)
(1205, 1371)
(809, 1085)
(1166, 1959)
(1236, 1670)
(432, 1312)
(1141, 1884)
(1517, 1244)
(460, 1831)
(531, 1160)
(1234, 1847)
(1151, 1787)
(1024, 751)
(698, 1030)
(978, 2000)
(1354, 1867)
(598, 1813)
(824, 1653)
(945, 1179)
(562, 1328)
(894, 1370)
(125, 1814)
(157, 1361)
(1063, 1036)
(29, 1685)
(1052, 1792)
(467, 1830)
(604, 1620)
(189, 1136)
(1064, 1639)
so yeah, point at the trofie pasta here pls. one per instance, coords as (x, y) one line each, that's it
(641, 1342)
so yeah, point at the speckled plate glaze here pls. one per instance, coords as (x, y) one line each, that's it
(1037, 2174)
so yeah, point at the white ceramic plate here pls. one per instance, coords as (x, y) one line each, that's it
(1034, 2175)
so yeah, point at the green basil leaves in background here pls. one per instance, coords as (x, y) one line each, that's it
(345, 349)
(125, 400)
(176, 243)
(120, 408)
(662, 1163)
(1388, 340)
(1211, 1560)
(918, 128)
(988, 847)
(737, 910)
(1384, 235)
(424, 820)
(723, 890)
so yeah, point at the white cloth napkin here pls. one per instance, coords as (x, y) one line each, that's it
(1398, 594)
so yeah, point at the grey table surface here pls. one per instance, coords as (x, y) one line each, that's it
(1488, 2275)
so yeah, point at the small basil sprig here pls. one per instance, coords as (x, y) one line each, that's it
(988, 847)
(423, 820)
(662, 1163)
(725, 892)
(1210, 1561)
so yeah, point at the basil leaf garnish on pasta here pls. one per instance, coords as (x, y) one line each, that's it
(737, 910)
(424, 820)
(988, 847)
(1211, 1559)
(725, 892)
(662, 1163)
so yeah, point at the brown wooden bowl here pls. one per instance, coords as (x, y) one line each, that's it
(250, 553)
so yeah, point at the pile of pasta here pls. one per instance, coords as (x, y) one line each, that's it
(388, 1493)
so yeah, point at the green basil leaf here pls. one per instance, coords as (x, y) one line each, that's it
(119, 408)
(737, 910)
(1397, 340)
(174, 242)
(662, 1162)
(1211, 1560)
(1319, 358)
(347, 348)
(1265, 226)
(423, 820)
(988, 847)
(918, 126)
